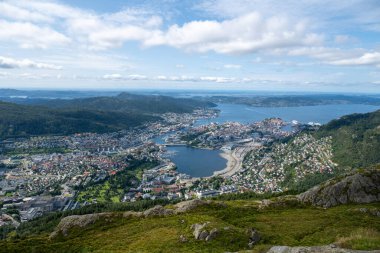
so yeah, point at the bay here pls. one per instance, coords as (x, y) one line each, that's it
(202, 163)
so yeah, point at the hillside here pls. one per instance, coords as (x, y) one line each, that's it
(98, 114)
(209, 226)
(21, 121)
(128, 102)
(355, 139)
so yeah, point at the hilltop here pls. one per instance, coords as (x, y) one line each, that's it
(215, 226)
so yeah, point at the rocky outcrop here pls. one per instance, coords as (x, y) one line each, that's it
(198, 229)
(80, 221)
(254, 237)
(213, 234)
(7, 217)
(186, 206)
(361, 187)
(200, 232)
(84, 220)
(316, 249)
(158, 211)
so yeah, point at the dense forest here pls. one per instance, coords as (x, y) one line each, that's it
(97, 114)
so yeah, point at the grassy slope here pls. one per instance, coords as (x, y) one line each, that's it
(280, 226)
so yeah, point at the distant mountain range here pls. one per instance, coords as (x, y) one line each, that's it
(97, 114)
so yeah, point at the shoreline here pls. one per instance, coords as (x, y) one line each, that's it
(234, 160)
(233, 164)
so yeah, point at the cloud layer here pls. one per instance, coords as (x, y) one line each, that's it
(9, 63)
(200, 41)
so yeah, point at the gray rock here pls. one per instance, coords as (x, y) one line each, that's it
(213, 234)
(198, 229)
(81, 221)
(254, 237)
(186, 206)
(158, 211)
(316, 249)
(363, 187)
(203, 235)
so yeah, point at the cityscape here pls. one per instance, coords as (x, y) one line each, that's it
(202, 126)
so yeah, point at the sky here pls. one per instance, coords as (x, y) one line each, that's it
(271, 45)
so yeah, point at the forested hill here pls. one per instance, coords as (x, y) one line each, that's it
(22, 120)
(356, 139)
(98, 114)
(130, 102)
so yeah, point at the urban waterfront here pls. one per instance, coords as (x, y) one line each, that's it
(321, 113)
(204, 162)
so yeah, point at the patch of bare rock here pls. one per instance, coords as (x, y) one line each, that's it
(316, 249)
(203, 233)
(78, 221)
(357, 188)
(81, 221)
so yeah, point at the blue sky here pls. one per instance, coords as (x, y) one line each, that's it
(304, 45)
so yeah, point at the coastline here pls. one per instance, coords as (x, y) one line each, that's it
(233, 164)
(234, 159)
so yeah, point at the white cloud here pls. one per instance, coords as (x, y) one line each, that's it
(250, 32)
(14, 12)
(365, 59)
(28, 35)
(333, 14)
(113, 77)
(218, 79)
(121, 77)
(9, 63)
(183, 78)
(137, 77)
(232, 66)
(245, 34)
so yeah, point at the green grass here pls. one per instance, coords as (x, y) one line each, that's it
(361, 238)
(293, 226)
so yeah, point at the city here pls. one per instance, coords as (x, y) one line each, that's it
(57, 173)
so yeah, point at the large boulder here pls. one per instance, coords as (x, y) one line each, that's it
(201, 233)
(198, 229)
(363, 187)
